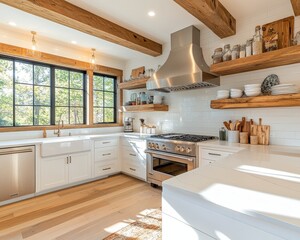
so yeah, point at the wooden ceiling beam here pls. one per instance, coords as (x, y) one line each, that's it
(296, 7)
(213, 14)
(69, 15)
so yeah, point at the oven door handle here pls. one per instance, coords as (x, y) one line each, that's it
(191, 159)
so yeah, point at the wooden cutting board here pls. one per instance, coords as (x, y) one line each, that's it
(135, 73)
(285, 29)
(263, 133)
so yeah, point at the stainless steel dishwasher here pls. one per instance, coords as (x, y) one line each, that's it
(17, 172)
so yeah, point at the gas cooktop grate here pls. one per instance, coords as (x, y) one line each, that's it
(183, 137)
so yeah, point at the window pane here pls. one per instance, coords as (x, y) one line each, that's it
(109, 115)
(109, 84)
(42, 115)
(76, 80)
(61, 78)
(42, 95)
(98, 99)
(24, 115)
(108, 99)
(6, 92)
(41, 75)
(76, 98)
(76, 116)
(24, 72)
(98, 82)
(62, 113)
(98, 115)
(24, 94)
(61, 97)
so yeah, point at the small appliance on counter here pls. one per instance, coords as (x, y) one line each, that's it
(128, 124)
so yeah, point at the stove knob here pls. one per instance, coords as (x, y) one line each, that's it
(177, 148)
(164, 147)
(150, 145)
(188, 150)
(157, 146)
(182, 149)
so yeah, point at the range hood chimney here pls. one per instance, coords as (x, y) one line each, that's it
(185, 67)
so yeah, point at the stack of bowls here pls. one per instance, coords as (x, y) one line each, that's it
(236, 93)
(223, 94)
(252, 90)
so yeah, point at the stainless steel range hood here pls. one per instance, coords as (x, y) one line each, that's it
(185, 67)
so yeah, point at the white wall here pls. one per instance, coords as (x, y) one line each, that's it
(190, 112)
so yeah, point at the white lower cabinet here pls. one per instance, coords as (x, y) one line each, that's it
(133, 157)
(106, 157)
(209, 155)
(61, 170)
(79, 167)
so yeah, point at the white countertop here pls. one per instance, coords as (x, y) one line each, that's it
(35, 141)
(261, 182)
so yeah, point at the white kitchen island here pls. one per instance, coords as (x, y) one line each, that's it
(251, 195)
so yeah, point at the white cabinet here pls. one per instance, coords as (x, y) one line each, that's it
(61, 170)
(106, 155)
(54, 172)
(209, 155)
(79, 165)
(133, 157)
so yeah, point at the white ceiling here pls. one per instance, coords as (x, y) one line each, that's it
(131, 14)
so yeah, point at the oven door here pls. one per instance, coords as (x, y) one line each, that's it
(162, 166)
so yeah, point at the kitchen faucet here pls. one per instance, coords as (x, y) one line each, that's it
(58, 132)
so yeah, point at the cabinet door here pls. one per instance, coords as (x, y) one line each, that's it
(79, 167)
(54, 172)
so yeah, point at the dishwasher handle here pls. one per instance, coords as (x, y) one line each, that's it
(15, 151)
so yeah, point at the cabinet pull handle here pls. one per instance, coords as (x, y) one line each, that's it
(215, 154)
(104, 169)
(106, 154)
(132, 169)
(105, 142)
(131, 154)
(70, 159)
(67, 160)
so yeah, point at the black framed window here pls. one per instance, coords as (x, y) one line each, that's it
(70, 96)
(104, 92)
(36, 94)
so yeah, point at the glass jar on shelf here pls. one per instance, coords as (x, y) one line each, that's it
(249, 47)
(235, 53)
(218, 54)
(227, 53)
(243, 51)
(257, 44)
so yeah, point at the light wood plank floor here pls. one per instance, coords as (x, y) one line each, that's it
(89, 211)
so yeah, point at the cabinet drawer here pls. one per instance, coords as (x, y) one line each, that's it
(213, 154)
(134, 170)
(105, 169)
(138, 143)
(106, 153)
(205, 162)
(106, 143)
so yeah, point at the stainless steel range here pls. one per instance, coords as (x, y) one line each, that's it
(172, 154)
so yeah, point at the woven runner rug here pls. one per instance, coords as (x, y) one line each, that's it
(147, 227)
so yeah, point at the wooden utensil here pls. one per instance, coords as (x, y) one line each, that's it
(227, 125)
(232, 126)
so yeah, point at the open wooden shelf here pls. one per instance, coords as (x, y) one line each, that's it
(275, 58)
(287, 100)
(146, 108)
(134, 84)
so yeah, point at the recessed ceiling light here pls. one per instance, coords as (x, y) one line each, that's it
(151, 13)
(12, 24)
(73, 42)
